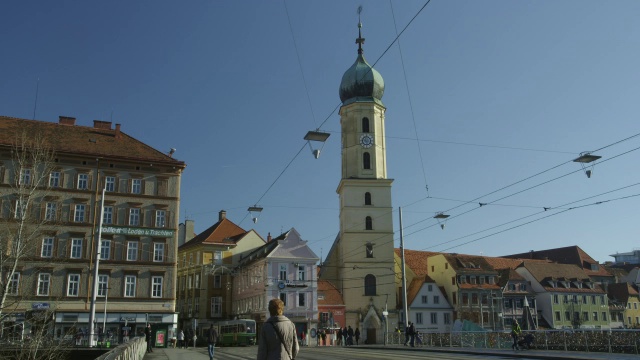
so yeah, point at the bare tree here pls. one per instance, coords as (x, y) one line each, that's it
(22, 221)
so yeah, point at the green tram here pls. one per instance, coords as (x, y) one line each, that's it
(236, 332)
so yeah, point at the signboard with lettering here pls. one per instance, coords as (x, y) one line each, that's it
(117, 230)
(131, 318)
(40, 306)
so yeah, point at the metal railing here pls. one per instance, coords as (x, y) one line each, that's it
(610, 341)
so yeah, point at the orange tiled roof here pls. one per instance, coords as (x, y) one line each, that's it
(543, 272)
(331, 294)
(416, 284)
(224, 232)
(416, 260)
(566, 255)
(98, 141)
(621, 291)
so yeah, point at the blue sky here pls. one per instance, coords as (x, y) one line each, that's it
(496, 92)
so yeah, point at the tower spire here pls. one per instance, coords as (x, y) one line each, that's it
(360, 39)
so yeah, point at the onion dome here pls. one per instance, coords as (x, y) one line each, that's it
(361, 82)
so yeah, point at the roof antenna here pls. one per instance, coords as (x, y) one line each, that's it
(35, 105)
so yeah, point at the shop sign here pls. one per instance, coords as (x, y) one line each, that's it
(39, 306)
(127, 318)
(116, 230)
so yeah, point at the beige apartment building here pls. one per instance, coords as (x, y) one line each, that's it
(52, 284)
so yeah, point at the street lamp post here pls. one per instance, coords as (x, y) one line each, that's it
(104, 319)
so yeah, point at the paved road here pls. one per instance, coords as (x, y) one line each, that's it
(381, 353)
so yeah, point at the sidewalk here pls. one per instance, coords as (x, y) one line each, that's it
(532, 354)
(177, 354)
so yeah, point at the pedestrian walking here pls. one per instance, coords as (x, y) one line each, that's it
(147, 338)
(278, 339)
(180, 338)
(357, 335)
(212, 338)
(350, 336)
(515, 334)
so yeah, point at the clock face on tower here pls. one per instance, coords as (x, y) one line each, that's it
(366, 141)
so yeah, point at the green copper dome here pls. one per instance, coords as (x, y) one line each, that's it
(361, 82)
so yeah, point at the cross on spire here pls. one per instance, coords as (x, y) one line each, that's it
(360, 39)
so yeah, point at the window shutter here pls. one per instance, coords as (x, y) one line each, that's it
(61, 184)
(141, 217)
(154, 218)
(87, 214)
(122, 186)
(75, 181)
(89, 182)
(128, 220)
(58, 215)
(43, 210)
(142, 190)
(129, 182)
(2, 174)
(167, 220)
(115, 215)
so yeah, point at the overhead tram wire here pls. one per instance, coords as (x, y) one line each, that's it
(550, 215)
(559, 207)
(413, 117)
(304, 80)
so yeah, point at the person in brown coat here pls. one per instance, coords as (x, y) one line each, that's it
(278, 339)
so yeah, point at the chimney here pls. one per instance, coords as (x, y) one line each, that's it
(269, 237)
(222, 215)
(66, 120)
(99, 124)
(118, 134)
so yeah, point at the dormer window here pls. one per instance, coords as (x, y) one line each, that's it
(473, 279)
(595, 267)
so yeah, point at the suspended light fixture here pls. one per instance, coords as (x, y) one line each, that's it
(317, 136)
(442, 219)
(584, 159)
(254, 211)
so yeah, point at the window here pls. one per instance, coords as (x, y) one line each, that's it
(217, 281)
(217, 257)
(44, 282)
(158, 252)
(434, 318)
(436, 299)
(21, 209)
(283, 272)
(474, 298)
(523, 287)
(136, 186)
(368, 223)
(161, 218)
(129, 286)
(134, 216)
(301, 299)
(196, 305)
(556, 300)
(73, 285)
(47, 247)
(484, 298)
(54, 179)
(156, 286)
(14, 284)
(453, 280)
(83, 181)
(369, 248)
(110, 183)
(367, 198)
(301, 272)
(103, 284)
(482, 280)
(585, 316)
(465, 299)
(132, 251)
(369, 285)
(283, 298)
(430, 287)
(216, 306)
(105, 249)
(419, 318)
(25, 176)
(79, 213)
(595, 316)
(50, 211)
(107, 215)
(197, 284)
(76, 248)
(447, 318)
(473, 279)
(557, 316)
(425, 299)
(507, 303)
(365, 125)
(366, 161)
(604, 316)
(162, 187)
(567, 316)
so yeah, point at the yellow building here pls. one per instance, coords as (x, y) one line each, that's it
(627, 294)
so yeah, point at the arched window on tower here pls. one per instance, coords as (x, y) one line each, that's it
(369, 250)
(365, 125)
(369, 285)
(366, 161)
(367, 198)
(368, 223)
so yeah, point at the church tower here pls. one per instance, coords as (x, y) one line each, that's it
(361, 261)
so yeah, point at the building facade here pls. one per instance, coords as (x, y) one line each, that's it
(136, 254)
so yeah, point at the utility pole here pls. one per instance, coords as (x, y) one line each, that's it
(94, 287)
(404, 275)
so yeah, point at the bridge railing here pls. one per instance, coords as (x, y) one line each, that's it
(591, 340)
(134, 349)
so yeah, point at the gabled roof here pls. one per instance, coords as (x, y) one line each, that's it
(500, 263)
(416, 260)
(414, 287)
(565, 255)
(543, 273)
(507, 275)
(621, 291)
(224, 232)
(97, 141)
(293, 247)
(331, 294)
(469, 263)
